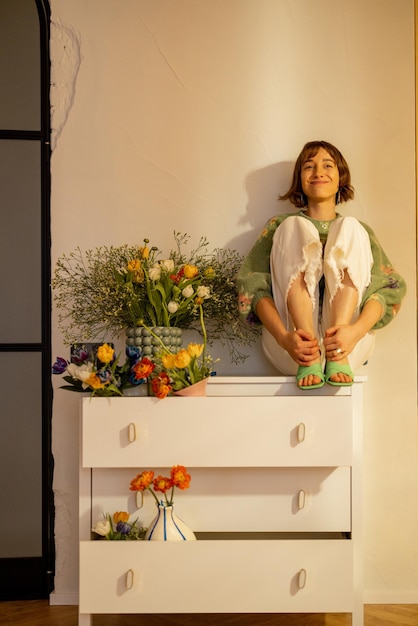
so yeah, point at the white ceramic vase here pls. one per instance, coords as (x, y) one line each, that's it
(166, 526)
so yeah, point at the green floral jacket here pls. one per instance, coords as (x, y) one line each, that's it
(254, 279)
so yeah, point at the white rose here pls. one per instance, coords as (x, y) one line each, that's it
(155, 272)
(85, 372)
(187, 291)
(167, 265)
(80, 372)
(203, 292)
(102, 528)
(172, 306)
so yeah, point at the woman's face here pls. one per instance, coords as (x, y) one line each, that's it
(320, 177)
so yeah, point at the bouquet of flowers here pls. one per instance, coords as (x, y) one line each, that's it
(145, 481)
(118, 528)
(172, 371)
(110, 289)
(101, 374)
(163, 293)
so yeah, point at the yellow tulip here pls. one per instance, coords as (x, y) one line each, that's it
(209, 272)
(94, 382)
(168, 361)
(105, 353)
(190, 271)
(195, 349)
(182, 359)
(134, 265)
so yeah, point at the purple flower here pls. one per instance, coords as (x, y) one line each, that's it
(133, 353)
(123, 528)
(105, 376)
(79, 355)
(252, 319)
(59, 366)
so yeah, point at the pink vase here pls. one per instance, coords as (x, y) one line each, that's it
(198, 389)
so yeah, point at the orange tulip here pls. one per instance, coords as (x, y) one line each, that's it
(163, 484)
(180, 477)
(142, 481)
(120, 516)
(161, 386)
(143, 368)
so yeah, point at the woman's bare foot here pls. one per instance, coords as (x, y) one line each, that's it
(339, 372)
(310, 376)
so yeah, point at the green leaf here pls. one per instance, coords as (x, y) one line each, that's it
(73, 388)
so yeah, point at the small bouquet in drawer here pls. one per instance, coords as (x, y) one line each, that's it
(118, 528)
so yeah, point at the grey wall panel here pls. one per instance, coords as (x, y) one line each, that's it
(20, 242)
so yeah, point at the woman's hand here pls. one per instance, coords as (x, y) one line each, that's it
(302, 347)
(345, 337)
(340, 341)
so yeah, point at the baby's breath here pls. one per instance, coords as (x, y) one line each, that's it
(97, 295)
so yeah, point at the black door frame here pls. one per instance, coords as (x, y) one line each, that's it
(33, 578)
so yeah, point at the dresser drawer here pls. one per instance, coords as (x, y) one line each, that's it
(247, 500)
(217, 432)
(216, 576)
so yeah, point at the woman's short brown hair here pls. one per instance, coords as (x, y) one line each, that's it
(295, 193)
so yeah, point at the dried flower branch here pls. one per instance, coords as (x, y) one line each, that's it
(108, 289)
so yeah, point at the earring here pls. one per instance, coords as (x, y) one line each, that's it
(338, 197)
(302, 200)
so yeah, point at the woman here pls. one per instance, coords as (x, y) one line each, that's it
(319, 283)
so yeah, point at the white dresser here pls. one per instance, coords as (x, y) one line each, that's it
(275, 500)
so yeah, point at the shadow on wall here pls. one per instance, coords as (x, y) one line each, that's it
(263, 189)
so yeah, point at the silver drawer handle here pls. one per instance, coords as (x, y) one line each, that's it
(131, 433)
(301, 499)
(301, 432)
(302, 579)
(129, 580)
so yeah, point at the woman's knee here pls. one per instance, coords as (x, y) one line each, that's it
(348, 227)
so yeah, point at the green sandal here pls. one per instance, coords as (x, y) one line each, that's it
(333, 367)
(315, 370)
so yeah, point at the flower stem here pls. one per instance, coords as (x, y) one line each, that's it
(156, 499)
(160, 341)
(202, 323)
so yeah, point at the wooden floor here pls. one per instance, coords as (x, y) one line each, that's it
(39, 613)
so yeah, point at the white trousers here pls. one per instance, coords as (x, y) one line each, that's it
(297, 249)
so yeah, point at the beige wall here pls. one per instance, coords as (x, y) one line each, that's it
(186, 115)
